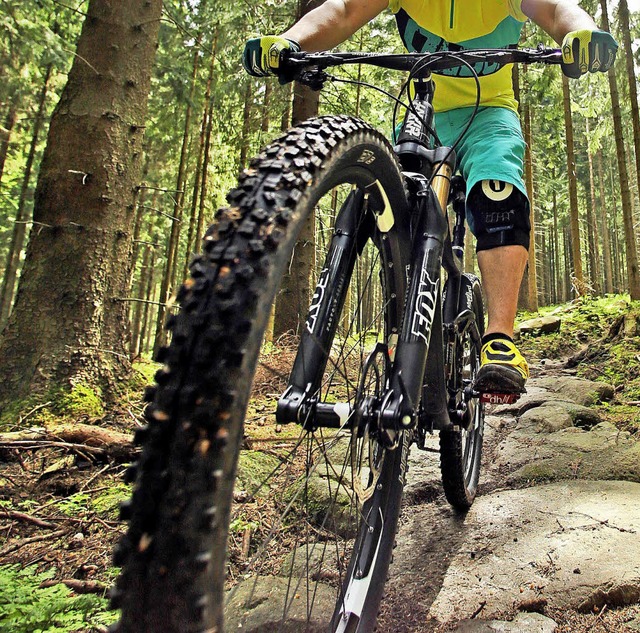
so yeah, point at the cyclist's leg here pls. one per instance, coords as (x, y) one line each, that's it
(491, 160)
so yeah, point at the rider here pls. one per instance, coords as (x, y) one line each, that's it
(491, 155)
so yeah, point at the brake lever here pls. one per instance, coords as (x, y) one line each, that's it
(314, 78)
(292, 69)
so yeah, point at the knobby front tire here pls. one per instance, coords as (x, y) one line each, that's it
(175, 575)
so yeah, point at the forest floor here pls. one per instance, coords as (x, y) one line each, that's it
(59, 505)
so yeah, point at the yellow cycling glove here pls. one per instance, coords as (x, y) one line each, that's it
(262, 55)
(587, 51)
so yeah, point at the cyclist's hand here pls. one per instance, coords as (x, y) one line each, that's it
(587, 51)
(262, 55)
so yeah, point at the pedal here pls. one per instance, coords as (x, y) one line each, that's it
(499, 398)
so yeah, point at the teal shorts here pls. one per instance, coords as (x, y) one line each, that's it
(492, 148)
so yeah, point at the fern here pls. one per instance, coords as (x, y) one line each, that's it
(27, 608)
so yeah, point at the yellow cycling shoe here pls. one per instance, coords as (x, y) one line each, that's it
(503, 369)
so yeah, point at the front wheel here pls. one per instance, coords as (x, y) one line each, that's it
(461, 445)
(303, 540)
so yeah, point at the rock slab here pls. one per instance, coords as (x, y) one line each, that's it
(566, 543)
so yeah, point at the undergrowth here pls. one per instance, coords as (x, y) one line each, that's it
(603, 334)
(26, 607)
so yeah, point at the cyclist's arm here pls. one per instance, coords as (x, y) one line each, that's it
(557, 17)
(333, 22)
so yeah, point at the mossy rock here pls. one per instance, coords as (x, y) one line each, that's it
(326, 503)
(602, 453)
(254, 469)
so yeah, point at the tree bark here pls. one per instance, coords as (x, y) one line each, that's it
(94, 439)
(606, 242)
(69, 324)
(633, 272)
(578, 277)
(293, 299)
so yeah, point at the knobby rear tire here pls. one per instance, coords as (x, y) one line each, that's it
(461, 448)
(174, 552)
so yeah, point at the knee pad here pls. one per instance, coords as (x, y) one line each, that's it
(500, 215)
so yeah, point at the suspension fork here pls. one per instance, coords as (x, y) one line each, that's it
(422, 316)
(322, 320)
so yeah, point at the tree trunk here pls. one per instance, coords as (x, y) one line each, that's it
(606, 243)
(168, 279)
(623, 19)
(568, 255)
(141, 208)
(592, 225)
(207, 143)
(20, 225)
(293, 299)
(69, 324)
(5, 137)
(558, 290)
(633, 273)
(147, 318)
(245, 139)
(193, 214)
(578, 277)
(618, 279)
(266, 108)
(532, 275)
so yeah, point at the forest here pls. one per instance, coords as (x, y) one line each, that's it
(123, 128)
(203, 121)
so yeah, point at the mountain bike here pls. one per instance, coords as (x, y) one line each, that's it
(385, 358)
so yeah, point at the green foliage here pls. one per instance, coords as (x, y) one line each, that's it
(239, 525)
(107, 504)
(74, 504)
(586, 319)
(609, 328)
(27, 608)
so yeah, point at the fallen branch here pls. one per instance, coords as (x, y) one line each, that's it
(32, 539)
(78, 586)
(14, 515)
(87, 438)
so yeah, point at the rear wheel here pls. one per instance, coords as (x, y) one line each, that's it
(314, 510)
(461, 446)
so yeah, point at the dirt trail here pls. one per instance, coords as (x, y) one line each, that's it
(569, 549)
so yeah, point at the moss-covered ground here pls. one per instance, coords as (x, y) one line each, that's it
(601, 336)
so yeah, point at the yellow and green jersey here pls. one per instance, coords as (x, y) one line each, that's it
(435, 25)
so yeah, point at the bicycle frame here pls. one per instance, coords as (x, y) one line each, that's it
(417, 387)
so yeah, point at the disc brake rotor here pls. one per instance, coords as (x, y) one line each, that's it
(367, 455)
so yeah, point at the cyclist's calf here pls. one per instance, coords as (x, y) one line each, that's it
(499, 215)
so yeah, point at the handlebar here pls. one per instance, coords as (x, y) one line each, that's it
(297, 64)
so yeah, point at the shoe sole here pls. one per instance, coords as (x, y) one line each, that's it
(506, 380)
